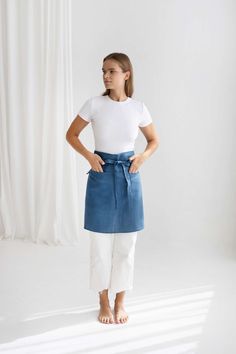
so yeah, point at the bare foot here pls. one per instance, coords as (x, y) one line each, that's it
(120, 314)
(105, 314)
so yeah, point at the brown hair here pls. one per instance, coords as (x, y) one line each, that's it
(125, 65)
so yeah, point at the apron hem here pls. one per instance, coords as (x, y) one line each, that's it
(114, 232)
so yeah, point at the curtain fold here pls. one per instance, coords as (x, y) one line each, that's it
(39, 184)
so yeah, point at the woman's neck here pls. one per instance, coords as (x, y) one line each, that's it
(117, 96)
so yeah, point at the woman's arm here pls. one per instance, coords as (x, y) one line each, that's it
(152, 144)
(72, 136)
(153, 140)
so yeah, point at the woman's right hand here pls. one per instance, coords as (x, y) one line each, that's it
(96, 162)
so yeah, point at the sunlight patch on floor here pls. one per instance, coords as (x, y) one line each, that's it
(165, 323)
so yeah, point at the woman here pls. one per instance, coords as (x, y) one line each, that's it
(113, 202)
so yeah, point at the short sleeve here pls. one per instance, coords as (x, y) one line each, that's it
(145, 117)
(85, 111)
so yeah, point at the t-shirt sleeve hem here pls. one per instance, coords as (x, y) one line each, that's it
(86, 111)
(146, 124)
(84, 118)
(146, 117)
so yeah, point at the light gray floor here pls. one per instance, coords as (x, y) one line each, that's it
(183, 301)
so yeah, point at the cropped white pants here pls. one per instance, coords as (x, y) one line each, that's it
(112, 261)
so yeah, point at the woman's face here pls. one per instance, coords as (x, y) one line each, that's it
(113, 76)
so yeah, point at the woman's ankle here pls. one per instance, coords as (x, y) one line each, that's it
(119, 299)
(103, 297)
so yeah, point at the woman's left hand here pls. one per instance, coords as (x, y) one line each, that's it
(137, 159)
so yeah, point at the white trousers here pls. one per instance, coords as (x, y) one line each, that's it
(112, 261)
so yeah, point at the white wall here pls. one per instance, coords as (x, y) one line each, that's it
(183, 54)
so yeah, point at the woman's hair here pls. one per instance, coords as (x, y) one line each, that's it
(125, 64)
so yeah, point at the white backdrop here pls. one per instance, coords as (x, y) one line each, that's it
(39, 187)
(184, 55)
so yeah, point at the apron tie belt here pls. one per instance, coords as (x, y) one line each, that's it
(123, 163)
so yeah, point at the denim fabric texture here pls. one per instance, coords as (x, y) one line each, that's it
(113, 198)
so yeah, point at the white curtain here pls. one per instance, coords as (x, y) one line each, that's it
(38, 192)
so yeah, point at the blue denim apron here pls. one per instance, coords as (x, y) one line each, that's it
(113, 198)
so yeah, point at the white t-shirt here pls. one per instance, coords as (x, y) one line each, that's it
(115, 124)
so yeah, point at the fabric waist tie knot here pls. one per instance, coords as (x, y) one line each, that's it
(123, 163)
